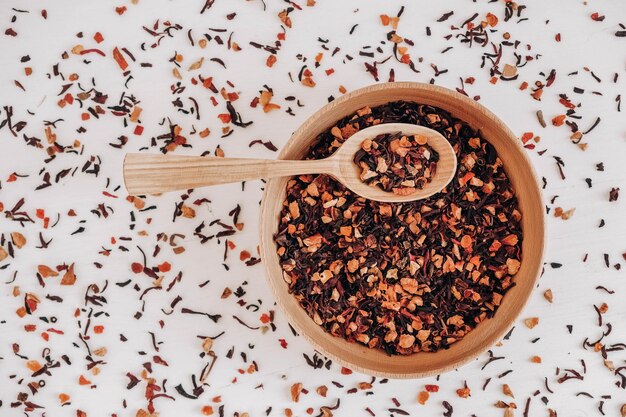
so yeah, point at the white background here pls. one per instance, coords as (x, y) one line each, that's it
(585, 43)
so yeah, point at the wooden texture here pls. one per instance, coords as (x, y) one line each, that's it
(523, 178)
(157, 173)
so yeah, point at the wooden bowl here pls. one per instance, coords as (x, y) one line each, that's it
(523, 179)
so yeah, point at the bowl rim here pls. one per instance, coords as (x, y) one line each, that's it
(454, 96)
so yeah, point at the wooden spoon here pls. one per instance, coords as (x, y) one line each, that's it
(155, 173)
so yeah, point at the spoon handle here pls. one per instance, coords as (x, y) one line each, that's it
(155, 173)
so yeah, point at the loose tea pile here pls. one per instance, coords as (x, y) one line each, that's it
(403, 277)
(397, 163)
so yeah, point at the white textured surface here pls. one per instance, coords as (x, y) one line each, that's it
(585, 43)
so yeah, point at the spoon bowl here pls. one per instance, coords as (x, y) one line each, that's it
(348, 173)
(155, 173)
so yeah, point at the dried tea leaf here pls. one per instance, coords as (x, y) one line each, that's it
(296, 389)
(547, 294)
(509, 71)
(422, 397)
(100, 351)
(196, 65)
(531, 322)
(69, 278)
(187, 212)
(18, 239)
(46, 271)
(207, 344)
(463, 392)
